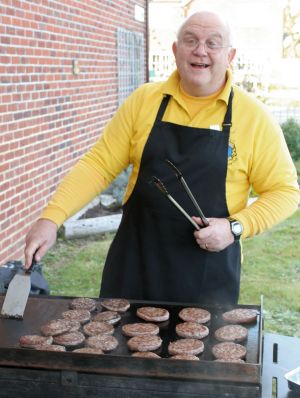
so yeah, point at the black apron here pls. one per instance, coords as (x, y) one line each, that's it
(154, 255)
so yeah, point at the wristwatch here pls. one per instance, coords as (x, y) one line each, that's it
(236, 228)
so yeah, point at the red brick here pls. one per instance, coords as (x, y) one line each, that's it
(50, 117)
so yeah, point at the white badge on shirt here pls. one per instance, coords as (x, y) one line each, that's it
(215, 127)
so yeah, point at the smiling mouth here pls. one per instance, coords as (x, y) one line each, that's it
(200, 65)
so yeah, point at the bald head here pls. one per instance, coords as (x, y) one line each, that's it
(207, 20)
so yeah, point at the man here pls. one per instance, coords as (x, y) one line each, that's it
(223, 141)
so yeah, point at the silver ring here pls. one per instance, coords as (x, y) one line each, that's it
(206, 247)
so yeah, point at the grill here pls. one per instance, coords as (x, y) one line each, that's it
(115, 370)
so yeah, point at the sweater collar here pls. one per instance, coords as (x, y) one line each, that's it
(171, 87)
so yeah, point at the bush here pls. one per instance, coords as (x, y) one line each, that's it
(118, 186)
(297, 164)
(291, 131)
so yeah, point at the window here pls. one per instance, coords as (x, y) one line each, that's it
(131, 62)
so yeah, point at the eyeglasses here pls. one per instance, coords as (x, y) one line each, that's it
(210, 45)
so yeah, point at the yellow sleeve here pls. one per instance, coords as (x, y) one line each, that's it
(273, 177)
(96, 169)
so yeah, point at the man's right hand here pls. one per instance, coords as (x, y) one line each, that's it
(38, 240)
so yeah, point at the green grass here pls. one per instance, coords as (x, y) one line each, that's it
(271, 269)
(74, 267)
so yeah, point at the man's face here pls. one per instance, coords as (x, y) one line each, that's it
(203, 53)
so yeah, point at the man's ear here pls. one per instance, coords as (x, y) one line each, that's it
(231, 55)
(174, 48)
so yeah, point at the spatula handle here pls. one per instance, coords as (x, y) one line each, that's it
(33, 264)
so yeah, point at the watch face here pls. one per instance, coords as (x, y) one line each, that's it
(236, 228)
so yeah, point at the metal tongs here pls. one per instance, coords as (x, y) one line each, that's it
(159, 184)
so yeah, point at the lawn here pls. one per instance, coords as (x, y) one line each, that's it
(271, 269)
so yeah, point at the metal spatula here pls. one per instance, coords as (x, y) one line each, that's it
(17, 294)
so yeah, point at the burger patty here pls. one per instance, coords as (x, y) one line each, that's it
(88, 350)
(83, 303)
(33, 340)
(102, 341)
(186, 346)
(140, 329)
(82, 316)
(230, 360)
(119, 305)
(153, 314)
(192, 330)
(59, 326)
(235, 333)
(69, 339)
(111, 317)
(240, 315)
(145, 354)
(229, 351)
(94, 328)
(51, 347)
(187, 357)
(191, 314)
(144, 343)
(74, 325)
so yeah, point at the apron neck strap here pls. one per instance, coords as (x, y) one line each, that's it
(227, 119)
(162, 107)
(228, 116)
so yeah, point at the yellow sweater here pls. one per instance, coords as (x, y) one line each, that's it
(258, 155)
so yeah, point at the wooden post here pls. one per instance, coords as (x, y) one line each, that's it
(90, 226)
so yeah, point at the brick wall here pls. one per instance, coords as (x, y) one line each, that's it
(49, 114)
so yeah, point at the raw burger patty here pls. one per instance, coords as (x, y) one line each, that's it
(59, 326)
(88, 350)
(83, 303)
(70, 339)
(52, 347)
(240, 315)
(198, 315)
(192, 330)
(94, 328)
(33, 340)
(119, 305)
(140, 329)
(145, 354)
(230, 360)
(102, 341)
(235, 333)
(229, 351)
(187, 357)
(82, 316)
(186, 346)
(153, 314)
(111, 317)
(144, 343)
